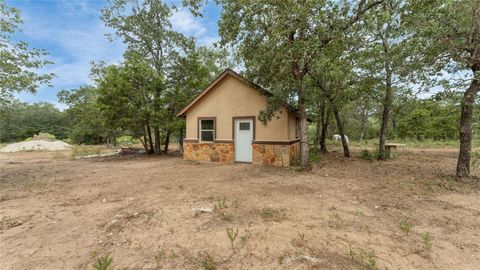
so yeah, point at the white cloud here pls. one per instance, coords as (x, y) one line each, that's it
(184, 22)
(78, 45)
(74, 35)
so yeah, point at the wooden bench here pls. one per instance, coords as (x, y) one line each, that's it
(389, 147)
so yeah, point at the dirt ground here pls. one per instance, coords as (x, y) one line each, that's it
(143, 212)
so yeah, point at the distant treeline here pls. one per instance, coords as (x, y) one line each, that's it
(435, 118)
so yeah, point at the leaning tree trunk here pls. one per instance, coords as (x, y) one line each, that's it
(144, 141)
(346, 150)
(468, 101)
(323, 136)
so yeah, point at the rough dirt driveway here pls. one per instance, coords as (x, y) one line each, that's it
(407, 213)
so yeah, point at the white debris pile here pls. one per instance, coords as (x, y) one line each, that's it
(36, 145)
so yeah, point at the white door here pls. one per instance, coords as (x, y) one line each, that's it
(243, 140)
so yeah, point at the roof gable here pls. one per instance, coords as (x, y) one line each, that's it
(220, 78)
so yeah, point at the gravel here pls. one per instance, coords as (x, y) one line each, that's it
(36, 145)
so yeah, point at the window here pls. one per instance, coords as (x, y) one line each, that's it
(207, 130)
(244, 126)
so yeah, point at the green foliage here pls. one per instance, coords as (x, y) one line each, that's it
(292, 49)
(232, 235)
(365, 258)
(266, 213)
(103, 263)
(42, 136)
(19, 121)
(85, 150)
(221, 204)
(126, 140)
(429, 119)
(427, 241)
(368, 155)
(315, 155)
(476, 161)
(87, 124)
(406, 226)
(206, 262)
(19, 64)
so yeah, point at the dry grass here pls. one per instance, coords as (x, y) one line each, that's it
(406, 213)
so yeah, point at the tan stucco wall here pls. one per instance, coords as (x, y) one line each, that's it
(232, 98)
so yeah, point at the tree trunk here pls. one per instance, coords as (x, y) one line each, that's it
(167, 142)
(303, 125)
(150, 141)
(346, 150)
(382, 154)
(144, 142)
(468, 101)
(323, 137)
(318, 131)
(383, 128)
(363, 124)
(180, 140)
(157, 141)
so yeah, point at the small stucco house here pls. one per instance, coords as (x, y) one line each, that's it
(222, 125)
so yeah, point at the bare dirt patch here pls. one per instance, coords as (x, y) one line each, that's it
(406, 213)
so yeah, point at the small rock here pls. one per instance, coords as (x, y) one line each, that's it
(309, 258)
(202, 210)
(104, 200)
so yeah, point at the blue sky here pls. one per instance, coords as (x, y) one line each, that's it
(74, 35)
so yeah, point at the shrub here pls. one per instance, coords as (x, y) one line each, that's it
(42, 136)
(367, 155)
(103, 263)
(406, 226)
(427, 240)
(314, 155)
(364, 258)
(126, 141)
(85, 150)
(476, 161)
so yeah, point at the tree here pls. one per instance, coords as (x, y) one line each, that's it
(86, 124)
(187, 77)
(18, 62)
(145, 28)
(126, 96)
(277, 42)
(447, 33)
(385, 48)
(19, 121)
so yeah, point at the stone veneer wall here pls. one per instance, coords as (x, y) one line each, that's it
(276, 154)
(265, 154)
(215, 152)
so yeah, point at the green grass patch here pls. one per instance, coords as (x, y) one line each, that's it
(86, 150)
(412, 143)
